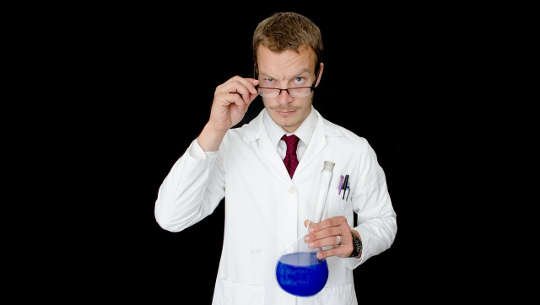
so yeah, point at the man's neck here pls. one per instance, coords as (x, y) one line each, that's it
(291, 130)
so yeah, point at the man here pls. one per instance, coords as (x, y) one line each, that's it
(268, 172)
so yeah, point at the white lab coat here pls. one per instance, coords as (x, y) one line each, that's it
(265, 209)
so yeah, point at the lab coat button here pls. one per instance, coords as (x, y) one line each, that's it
(292, 190)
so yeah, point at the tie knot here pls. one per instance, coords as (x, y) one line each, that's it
(291, 141)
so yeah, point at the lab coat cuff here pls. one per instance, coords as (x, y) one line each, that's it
(196, 152)
(353, 262)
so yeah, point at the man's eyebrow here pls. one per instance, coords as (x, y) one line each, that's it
(264, 74)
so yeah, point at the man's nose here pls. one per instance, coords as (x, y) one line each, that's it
(284, 97)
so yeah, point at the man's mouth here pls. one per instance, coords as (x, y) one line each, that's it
(286, 112)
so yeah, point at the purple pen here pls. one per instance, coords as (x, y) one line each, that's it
(340, 184)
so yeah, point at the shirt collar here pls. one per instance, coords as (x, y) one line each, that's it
(304, 132)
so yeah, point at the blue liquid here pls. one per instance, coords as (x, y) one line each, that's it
(302, 273)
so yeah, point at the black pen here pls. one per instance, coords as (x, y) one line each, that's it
(345, 184)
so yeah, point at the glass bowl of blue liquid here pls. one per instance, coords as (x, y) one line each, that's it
(302, 273)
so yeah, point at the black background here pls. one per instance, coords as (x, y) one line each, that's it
(132, 86)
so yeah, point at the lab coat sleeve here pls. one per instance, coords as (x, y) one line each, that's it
(376, 217)
(192, 189)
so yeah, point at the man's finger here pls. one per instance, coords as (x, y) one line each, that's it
(324, 233)
(341, 251)
(334, 221)
(253, 81)
(236, 99)
(248, 84)
(239, 88)
(324, 242)
(252, 97)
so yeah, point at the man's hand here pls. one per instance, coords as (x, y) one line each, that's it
(325, 233)
(231, 101)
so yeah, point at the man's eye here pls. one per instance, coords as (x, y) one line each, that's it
(299, 79)
(268, 79)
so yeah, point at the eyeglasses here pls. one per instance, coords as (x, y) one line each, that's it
(294, 91)
(298, 92)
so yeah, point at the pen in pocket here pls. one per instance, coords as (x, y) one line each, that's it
(340, 184)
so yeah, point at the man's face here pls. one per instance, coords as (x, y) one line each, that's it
(287, 69)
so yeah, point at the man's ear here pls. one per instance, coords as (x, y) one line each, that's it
(321, 68)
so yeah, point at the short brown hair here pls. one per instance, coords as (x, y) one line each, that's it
(288, 31)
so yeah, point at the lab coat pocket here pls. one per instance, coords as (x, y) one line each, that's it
(242, 294)
(336, 205)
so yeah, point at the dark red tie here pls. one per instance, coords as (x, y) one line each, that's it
(291, 161)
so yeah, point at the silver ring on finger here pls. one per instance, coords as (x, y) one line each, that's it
(338, 240)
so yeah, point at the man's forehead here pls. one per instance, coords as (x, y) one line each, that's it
(288, 63)
(303, 52)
